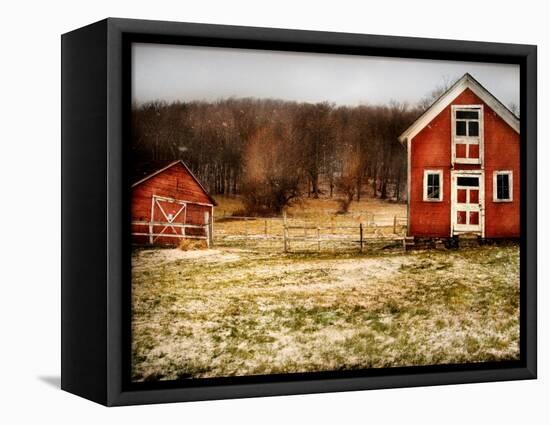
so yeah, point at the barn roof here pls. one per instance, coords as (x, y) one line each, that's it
(466, 82)
(144, 170)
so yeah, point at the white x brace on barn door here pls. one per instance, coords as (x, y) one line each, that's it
(467, 202)
(168, 210)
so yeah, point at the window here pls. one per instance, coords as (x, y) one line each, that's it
(467, 122)
(433, 185)
(502, 186)
(467, 134)
(467, 181)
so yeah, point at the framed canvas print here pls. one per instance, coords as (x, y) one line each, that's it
(253, 212)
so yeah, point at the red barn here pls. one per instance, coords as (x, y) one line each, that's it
(169, 204)
(463, 166)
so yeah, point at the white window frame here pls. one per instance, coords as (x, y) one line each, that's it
(425, 186)
(510, 185)
(476, 140)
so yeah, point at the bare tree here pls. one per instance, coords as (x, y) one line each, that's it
(272, 173)
(514, 108)
(446, 83)
(346, 183)
(313, 128)
(309, 141)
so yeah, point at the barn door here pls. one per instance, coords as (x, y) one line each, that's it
(168, 216)
(467, 203)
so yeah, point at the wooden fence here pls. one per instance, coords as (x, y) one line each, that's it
(335, 237)
(175, 230)
(295, 234)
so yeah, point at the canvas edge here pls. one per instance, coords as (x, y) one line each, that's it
(83, 212)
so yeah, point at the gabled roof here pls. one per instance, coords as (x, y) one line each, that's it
(466, 82)
(142, 171)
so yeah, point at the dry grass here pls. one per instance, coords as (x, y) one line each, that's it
(192, 244)
(311, 208)
(227, 205)
(231, 312)
(380, 209)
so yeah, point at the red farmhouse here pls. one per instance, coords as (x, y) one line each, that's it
(463, 166)
(169, 204)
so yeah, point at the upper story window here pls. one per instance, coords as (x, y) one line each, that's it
(467, 123)
(467, 134)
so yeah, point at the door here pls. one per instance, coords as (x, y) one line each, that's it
(168, 218)
(467, 202)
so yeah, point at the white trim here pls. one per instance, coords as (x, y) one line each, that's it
(510, 185)
(179, 201)
(167, 235)
(425, 186)
(454, 203)
(162, 223)
(147, 177)
(409, 154)
(466, 82)
(211, 225)
(169, 218)
(479, 140)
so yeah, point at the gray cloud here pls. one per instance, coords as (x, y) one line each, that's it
(169, 72)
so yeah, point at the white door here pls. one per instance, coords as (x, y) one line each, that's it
(168, 218)
(467, 202)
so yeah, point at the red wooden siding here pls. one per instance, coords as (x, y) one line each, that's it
(502, 152)
(176, 183)
(431, 149)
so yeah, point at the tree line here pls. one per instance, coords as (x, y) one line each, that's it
(274, 152)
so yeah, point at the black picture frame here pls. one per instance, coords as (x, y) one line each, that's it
(95, 260)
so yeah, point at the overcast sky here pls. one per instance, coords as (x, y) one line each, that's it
(169, 72)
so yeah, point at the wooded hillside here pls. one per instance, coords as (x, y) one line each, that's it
(277, 151)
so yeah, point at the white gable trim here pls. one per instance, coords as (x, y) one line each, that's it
(157, 172)
(466, 82)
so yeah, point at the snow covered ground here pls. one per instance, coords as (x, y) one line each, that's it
(233, 312)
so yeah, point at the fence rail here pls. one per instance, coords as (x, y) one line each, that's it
(290, 233)
(153, 235)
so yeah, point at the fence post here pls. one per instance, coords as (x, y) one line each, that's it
(394, 224)
(246, 232)
(360, 237)
(211, 226)
(265, 228)
(318, 239)
(285, 246)
(207, 228)
(332, 224)
(151, 220)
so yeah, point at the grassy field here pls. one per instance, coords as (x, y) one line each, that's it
(233, 312)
